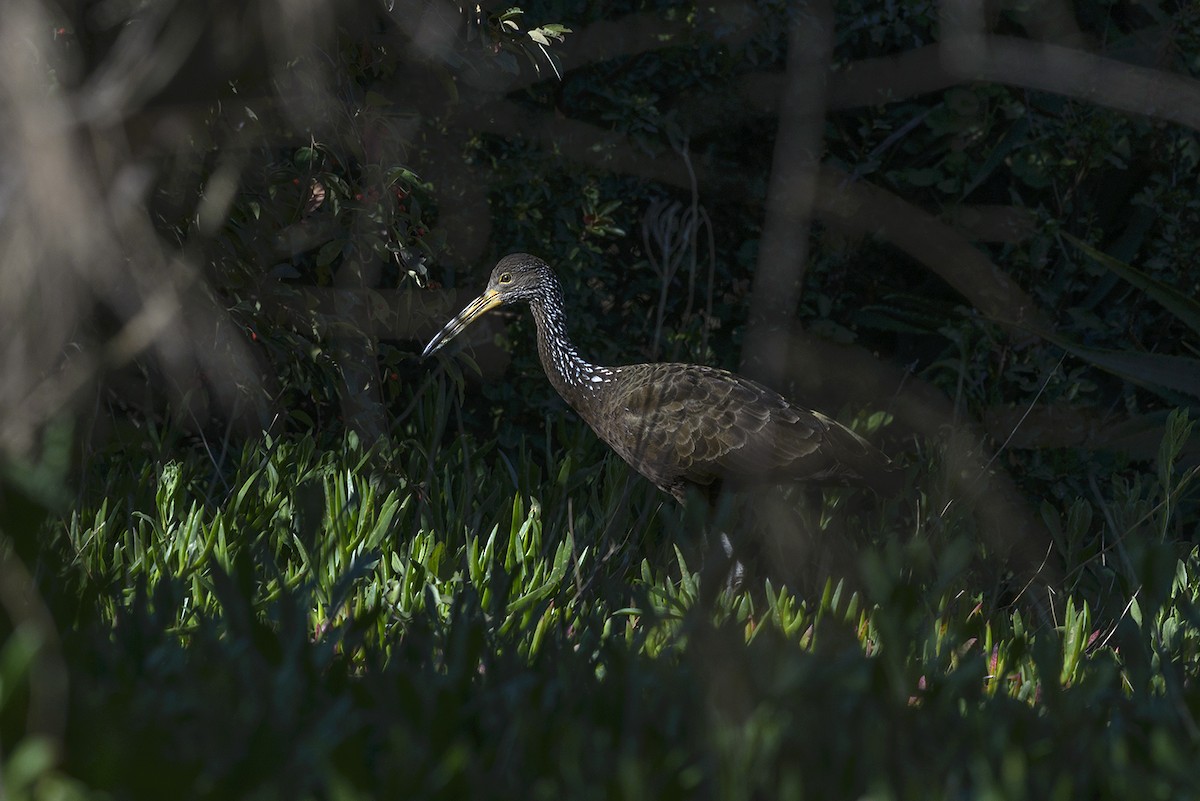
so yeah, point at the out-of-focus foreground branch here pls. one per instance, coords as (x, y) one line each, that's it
(87, 282)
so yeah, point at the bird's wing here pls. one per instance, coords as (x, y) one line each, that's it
(698, 424)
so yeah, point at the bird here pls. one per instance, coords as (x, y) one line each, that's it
(684, 427)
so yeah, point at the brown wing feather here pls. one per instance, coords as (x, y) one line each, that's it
(680, 424)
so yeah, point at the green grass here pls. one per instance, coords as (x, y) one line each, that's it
(427, 617)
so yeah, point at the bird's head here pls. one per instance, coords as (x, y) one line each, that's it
(517, 277)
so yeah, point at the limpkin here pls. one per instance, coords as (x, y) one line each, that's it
(680, 425)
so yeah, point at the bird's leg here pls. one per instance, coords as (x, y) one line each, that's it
(737, 571)
(719, 571)
(723, 566)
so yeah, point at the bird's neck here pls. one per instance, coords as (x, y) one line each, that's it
(574, 377)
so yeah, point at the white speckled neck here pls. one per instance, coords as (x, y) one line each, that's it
(570, 373)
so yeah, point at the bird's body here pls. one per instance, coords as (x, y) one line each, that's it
(680, 425)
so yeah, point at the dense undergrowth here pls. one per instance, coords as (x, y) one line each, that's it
(309, 619)
(213, 588)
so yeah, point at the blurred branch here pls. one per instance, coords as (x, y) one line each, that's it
(1008, 225)
(1006, 60)
(865, 208)
(89, 282)
(796, 163)
(1082, 76)
(395, 313)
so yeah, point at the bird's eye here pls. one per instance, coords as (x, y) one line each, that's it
(506, 278)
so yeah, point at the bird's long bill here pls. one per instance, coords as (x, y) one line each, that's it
(482, 304)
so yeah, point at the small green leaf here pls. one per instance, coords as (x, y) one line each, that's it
(306, 156)
(330, 252)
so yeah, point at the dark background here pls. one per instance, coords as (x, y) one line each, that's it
(225, 226)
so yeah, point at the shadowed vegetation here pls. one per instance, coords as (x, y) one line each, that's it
(251, 546)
